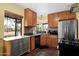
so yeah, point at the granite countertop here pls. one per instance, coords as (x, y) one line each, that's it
(19, 37)
(35, 34)
(14, 38)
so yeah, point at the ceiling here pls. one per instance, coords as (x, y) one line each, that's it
(46, 8)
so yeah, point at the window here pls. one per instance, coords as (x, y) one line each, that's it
(42, 27)
(12, 27)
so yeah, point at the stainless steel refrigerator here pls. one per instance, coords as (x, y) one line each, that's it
(67, 30)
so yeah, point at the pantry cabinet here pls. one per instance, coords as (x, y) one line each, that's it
(30, 17)
(53, 18)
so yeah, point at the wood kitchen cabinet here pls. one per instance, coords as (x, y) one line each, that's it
(53, 41)
(34, 19)
(16, 47)
(63, 15)
(43, 40)
(32, 43)
(66, 15)
(49, 40)
(30, 17)
(52, 21)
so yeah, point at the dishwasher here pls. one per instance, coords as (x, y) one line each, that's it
(37, 41)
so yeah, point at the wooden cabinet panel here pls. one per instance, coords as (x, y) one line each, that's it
(49, 20)
(32, 43)
(7, 48)
(34, 19)
(49, 40)
(52, 20)
(71, 15)
(30, 17)
(43, 40)
(54, 41)
(64, 15)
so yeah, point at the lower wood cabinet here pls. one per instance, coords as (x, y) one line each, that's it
(43, 40)
(49, 40)
(52, 41)
(32, 43)
(16, 47)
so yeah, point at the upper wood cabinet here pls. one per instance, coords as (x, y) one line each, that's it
(34, 19)
(54, 17)
(52, 21)
(30, 17)
(66, 15)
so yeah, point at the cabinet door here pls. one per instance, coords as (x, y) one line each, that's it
(52, 20)
(34, 19)
(43, 40)
(7, 48)
(54, 41)
(28, 17)
(49, 41)
(32, 43)
(71, 15)
(66, 15)
(62, 15)
(49, 20)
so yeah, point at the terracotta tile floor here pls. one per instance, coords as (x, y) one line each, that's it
(43, 52)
